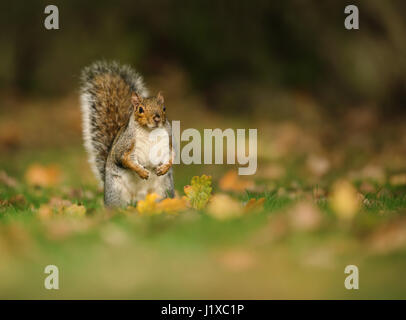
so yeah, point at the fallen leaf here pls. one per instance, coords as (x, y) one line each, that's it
(232, 182)
(199, 191)
(43, 176)
(254, 205)
(149, 204)
(222, 207)
(173, 205)
(344, 200)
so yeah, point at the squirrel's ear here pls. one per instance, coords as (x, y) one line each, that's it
(135, 100)
(160, 98)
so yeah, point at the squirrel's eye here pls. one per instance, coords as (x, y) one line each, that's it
(164, 109)
(140, 110)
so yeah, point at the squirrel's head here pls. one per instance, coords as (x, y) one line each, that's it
(149, 112)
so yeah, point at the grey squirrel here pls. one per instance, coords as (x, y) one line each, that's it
(118, 117)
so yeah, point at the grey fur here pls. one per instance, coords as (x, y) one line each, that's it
(122, 186)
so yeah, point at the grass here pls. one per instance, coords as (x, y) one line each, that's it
(191, 255)
(269, 254)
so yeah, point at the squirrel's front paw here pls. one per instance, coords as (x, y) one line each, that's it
(162, 169)
(143, 173)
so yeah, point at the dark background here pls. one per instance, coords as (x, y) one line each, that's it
(230, 50)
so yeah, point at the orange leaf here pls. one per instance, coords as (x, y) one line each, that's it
(254, 205)
(231, 182)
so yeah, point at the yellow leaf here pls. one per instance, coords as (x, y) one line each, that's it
(344, 200)
(75, 210)
(149, 205)
(174, 205)
(198, 193)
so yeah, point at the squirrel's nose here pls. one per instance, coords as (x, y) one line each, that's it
(157, 117)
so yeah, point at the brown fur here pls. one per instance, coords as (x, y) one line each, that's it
(126, 162)
(151, 108)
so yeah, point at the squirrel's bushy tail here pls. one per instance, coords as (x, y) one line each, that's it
(106, 91)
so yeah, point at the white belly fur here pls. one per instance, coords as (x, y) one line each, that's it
(135, 187)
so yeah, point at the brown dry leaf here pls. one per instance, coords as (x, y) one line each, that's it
(254, 205)
(398, 179)
(7, 180)
(305, 216)
(43, 176)
(222, 207)
(232, 182)
(237, 260)
(150, 205)
(344, 200)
